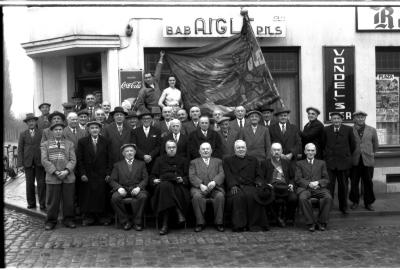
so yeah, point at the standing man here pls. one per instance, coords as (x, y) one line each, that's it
(59, 160)
(312, 182)
(118, 133)
(267, 113)
(228, 137)
(182, 115)
(156, 112)
(106, 106)
(43, 121)
(68, 107)
(207, 177)
(363, 161)
(204, 134)
(339, 144)
(217, 115)
(94, 165)
(132, 119)
(177, 136)
(150, 93)
(29, 159)
(72, 132)
(164, 125)
(54, 118)
(313, 131)
(193, 124)
(287, 134)
(83, 116)
(240, 122)
(256, 137)
(90, 101)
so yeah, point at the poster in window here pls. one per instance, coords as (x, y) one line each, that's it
(387, 98)
(130, 84)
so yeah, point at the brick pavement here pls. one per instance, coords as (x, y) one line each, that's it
(349, 242)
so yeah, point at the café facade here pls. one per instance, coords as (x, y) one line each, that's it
(333, 57)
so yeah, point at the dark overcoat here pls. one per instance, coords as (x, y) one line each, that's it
(313, 133)
(197, 138)
(117, 140)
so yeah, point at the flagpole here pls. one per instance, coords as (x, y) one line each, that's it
(245, 15)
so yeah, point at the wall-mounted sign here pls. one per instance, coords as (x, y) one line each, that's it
(339, 81)
(387, 98)
(130, 84)
(222, 26)
(378, 19)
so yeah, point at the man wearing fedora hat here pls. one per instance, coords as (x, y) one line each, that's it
(59, 160)
(363, 161)
(132, 119)
(29, 159)
(94, 165)
(228, 136)
(267, 113)
(338, 146)
(313, 131)
(118, 133)
(287, 134)
(257, 137)
(54, 118)
(43, 121)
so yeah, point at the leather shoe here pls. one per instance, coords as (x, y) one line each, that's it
(354, 206)
(164, 230)
(220, 227)
(266, 228)
(127, 226)
(31, 206)
(369, 207)
(49, 226)
(198, 228)
(87, 222)
(70, 224)
(138, 227)
(322, 226)
(281, 223)
(311, 228)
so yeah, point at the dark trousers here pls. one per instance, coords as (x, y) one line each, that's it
(325, 205)
(366, 174)
(343, 186)
(285, 207)
(54, 194)
(30, 174)
(137, 204)
(199, 202)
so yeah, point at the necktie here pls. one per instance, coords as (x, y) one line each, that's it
(310, 161)
(167, 123)
(195, 124)
(205, 133)
(241, 124)
(283, 128)
(146, 132)
(58, 144)
(175, 138)
(32, 131)
(207, 161)
(74, 130)
(254, 130)
(119, 130)
(130, 165)
(95, 146)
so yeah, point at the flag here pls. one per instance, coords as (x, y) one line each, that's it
(225, 74)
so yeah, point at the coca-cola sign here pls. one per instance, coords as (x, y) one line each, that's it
(130, 83)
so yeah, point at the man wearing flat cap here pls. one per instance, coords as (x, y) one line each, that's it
(338, 146)
(267, 113)
(59, 160)
(118, 133)
(29, 159)
(54, 118)
(363, 161)
(228, 136)
(94, 166)
(287, 134)
(83, 118)
(313, 130)
(129, 179)
(257, 137)
(43, 121)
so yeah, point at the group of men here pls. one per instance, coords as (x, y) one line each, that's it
(247, 166)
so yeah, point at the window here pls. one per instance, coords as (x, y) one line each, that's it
(387, 95)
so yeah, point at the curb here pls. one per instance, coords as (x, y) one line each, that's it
(20, 209)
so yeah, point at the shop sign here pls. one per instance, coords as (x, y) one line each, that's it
(387, 98)
(222, 26)
(130, 84)
(339, 81)
(378, 19)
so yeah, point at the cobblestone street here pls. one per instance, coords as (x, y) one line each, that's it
(349, 242)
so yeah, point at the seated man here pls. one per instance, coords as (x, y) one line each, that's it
(243, 182)
(279, 173)
(312, 180)
(128, 180)
(207, 176)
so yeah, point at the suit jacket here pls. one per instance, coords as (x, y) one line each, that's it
(338, 149)
(258, 144)
(291, 142)
(189, 127)
(268, 170)
(47, 134)
(182, 149)
(74, 138)
(306, 173)
(29, 149)
(147, 145)
(242, 171)
(43, 122)
(199, 173)
(235, 126)
(122, 177)
(197, 138)
(366, 146)
(109, 119)
(94, 164)
(229, 142)
(148, 97)
(162, 125)
(313, 133)
(265, 124)
(116, 140)
(58, 165)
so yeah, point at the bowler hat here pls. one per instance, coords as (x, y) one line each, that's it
(144, 112)
(336, 113)
(56, 125)
(254, 112)
(131, 114)
(360, 113)
(281, 189)
(118, 110)
(281, 110)
(88, 124)
(265, 107)
(127, 145)
(56, 113)
(264, 194)
(155, 110)
(44, 103)
(313, 109)
(223, 119)
(30, 116)
(84, 111)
